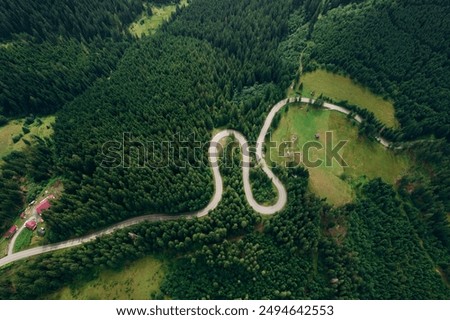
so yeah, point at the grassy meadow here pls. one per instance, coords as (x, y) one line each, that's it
(14, 128)
(366, 159)
(147, 25)
(340, 88)
(136, 281)
(23, 241)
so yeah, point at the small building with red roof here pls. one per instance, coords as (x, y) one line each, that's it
(31, 225)
(10, 232)
(44, 204)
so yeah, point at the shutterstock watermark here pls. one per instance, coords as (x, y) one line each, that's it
(183, 152)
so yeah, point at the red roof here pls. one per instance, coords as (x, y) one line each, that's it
(10, 232)
(44, 204)
(31, 225)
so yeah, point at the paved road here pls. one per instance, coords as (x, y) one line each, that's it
(246, 163)
(213, 154)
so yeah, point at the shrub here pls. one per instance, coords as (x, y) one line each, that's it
(29, 120)
(17, 138)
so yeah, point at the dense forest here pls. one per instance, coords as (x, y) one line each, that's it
(44, 20)
(132, 134)
(180, 83)
(232, 218)
(32, 85)
(50, 52)
(366, 250)
(309, 251)
(366, 42)
(47, 58)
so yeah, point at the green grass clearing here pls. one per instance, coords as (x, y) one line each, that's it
(366, 159)
(340, 88)
(147, 25)
(137, 281)
(6, 44)
(28, 239)
(23, 241)
(14, 128)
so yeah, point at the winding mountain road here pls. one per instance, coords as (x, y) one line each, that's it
(213, 155)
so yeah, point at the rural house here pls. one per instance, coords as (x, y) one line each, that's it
(10, 232)
(44, 204)
(31, 225)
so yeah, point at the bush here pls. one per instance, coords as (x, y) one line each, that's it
(17, 138)
(29, 120)
(25, 130)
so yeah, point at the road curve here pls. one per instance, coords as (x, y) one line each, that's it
(213, 155)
